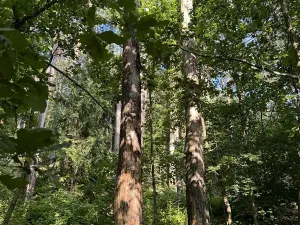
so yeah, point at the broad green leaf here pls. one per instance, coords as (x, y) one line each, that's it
(30, 140)
(6, 65)
(95, 46)
(145, 22)
(33, 60)
(7, 144)
(12, 183)
(17, 39)
(91, 16)
(111, 37)
(129, 5)
(36, 96)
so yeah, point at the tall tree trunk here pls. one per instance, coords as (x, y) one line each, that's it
(155, 219)
(128, 195)
(197, 205)
(253, 207)
(117, 127)
(168, 145)
(33, 164)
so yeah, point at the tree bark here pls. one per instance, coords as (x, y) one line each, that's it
(253, 207)
(128, 194)
(155, 219)
(144, 95)
(117, 127)
(197, 205)
(228, 208)
(12, 206)
(299, 207)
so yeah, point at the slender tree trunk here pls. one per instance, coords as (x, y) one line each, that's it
(254, 213)
(128, 195)
(12, 206)
(197, 205)
(299, 207)
(174, 136)
(144, 95)
(33, 164)
(228, 207)
(117, 127)
(155, 219)
(168, 145)
(225, 200)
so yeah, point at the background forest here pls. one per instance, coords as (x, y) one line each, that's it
(201, 96)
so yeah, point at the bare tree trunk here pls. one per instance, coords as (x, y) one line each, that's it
(197, 204)
(228, 208)
(174, 136)
(144, 95)
(128, 193)
(155, 219)
(299, 207)
(117, 127)
(33, 164)
(12, 206)
(254, 213)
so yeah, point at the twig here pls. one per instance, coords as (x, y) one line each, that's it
(81, 87)
(51, 57)
(18, 23)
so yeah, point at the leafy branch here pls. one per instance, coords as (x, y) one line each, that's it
(257, 66)
(19, 22)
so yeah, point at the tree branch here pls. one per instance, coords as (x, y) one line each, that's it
(81, 87)
(19, 22)
(260, 67)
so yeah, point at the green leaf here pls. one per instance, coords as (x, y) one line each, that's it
(30, 140)
(91, 16)
(6, 65)
(129, 5)
(12, 183)
(145, 22)
(37, 96)
(95, 46)
(111, 37)
(33, 60)
(17, 39)
(7, 144)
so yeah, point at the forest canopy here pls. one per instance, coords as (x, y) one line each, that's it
(162, 112)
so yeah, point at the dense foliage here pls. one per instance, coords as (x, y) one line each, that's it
(61, 63)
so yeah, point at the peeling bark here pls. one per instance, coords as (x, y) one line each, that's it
(197, 204)
(228, 208)
(128, 193)
(117, 128)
